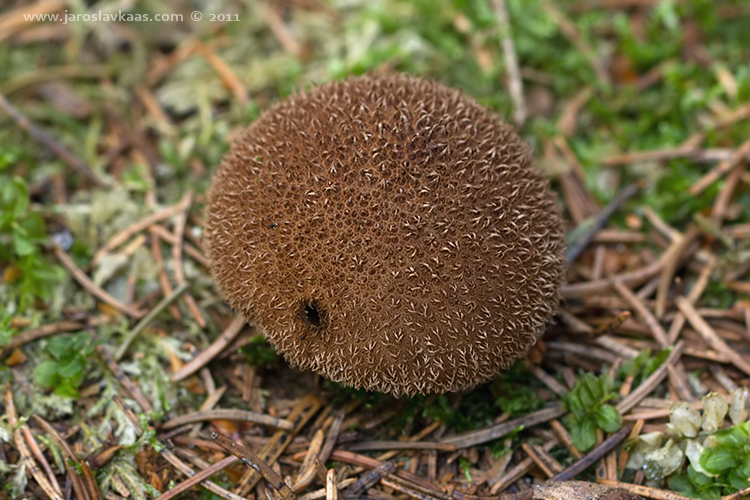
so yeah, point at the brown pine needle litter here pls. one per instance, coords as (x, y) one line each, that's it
(125, 375)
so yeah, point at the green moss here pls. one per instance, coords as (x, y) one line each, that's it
(259, 352)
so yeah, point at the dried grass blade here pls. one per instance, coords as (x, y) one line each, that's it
(226, 338)
(401, 445)
(370, 479)
(516, 472)
(695, 292)
(600, 221)
(211, 401)
(332, 491)
(674, 257)
(126, 381)
(722, 168)
(634, 433)
(565, 438)
(678, 380)
(542, 459)
(23, 450)
(333, 435)
(594, 455)
(91, 287)
(497, 431)
(228, 414)
(123, 236)
(198, 478)
(644, 491)
(143, 323)
(40, 458)
(255, 462)
(307, 471)
(321, 493)
(723, 199)
(75, 480)
(179, 273)
(407, 491)
(656, 329)
(91, 485)
(710, 336)
(302, 412)
(173, 459)
(227, 75)
(515, 83)
(363, 461)
(632, 279)
(164, 283)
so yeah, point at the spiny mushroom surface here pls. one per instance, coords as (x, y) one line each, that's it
(388, 233)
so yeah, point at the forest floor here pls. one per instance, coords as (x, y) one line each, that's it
(120, 362)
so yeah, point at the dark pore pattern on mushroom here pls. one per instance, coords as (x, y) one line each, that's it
(389, 233)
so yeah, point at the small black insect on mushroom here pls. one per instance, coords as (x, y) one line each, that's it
(414, 248)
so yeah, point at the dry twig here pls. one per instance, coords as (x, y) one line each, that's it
(256, 463)
(515, 84)
(91, 287)
(226, 338)
(497, 431)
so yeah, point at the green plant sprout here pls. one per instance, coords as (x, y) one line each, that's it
(587, 402)
(66, 371)
(27, 274)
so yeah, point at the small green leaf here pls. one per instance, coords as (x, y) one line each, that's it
(698, 478)
(584, 435)
(717, 460)
(46, 374)
(66, 389)
(72, 368)
(733, 438)
(608, 418)
(466, 468)
(737, 479)
(682, 484)
(59, 347)
(33, 224)
(588, 390)
(573, 403)
(21, 244)
(586, 401)
(15, 197)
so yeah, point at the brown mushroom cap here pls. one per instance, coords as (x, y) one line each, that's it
(388, 233)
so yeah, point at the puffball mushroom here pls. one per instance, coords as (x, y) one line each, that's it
(388, 233)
